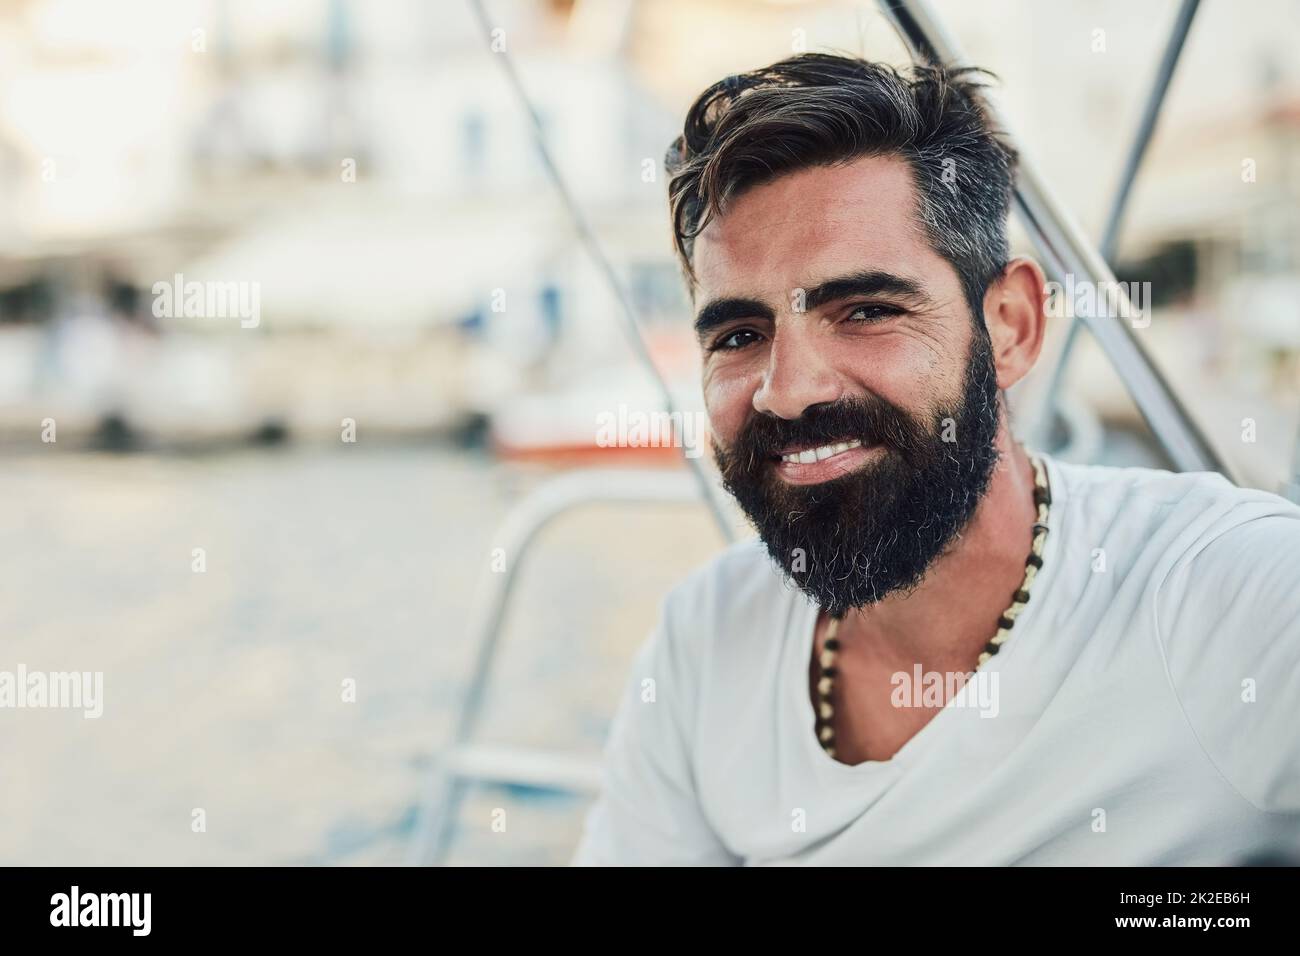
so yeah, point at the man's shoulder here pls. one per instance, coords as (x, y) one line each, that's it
(723, 608)
(742, 575)
(1200, 506)
(1149, 485)
(1224, 602)
(1213, 568)
(729, 603)
(1206, 554)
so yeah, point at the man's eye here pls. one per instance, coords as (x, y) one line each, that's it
(873, 313)
(735, 340)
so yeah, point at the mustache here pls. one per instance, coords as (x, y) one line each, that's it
(870, 420)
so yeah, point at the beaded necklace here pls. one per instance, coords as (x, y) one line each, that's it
(831, 646)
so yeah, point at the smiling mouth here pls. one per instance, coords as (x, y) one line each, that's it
(820, 453)
(818, 463)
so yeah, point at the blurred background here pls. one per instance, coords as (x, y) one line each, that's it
(424, 342)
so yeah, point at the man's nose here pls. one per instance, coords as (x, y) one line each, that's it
(797, 374)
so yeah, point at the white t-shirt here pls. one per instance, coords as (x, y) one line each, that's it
(1148, 707)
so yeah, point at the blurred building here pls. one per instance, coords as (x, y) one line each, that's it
(365, 166)
(369, 169)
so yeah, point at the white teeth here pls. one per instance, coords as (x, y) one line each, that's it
(811, 455)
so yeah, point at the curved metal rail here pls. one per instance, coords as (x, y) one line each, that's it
(460, 762)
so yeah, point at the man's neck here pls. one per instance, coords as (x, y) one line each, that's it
(946, 621)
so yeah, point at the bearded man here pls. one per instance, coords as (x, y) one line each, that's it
(1126, 641)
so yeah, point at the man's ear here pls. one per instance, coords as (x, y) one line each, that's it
(1014, 312)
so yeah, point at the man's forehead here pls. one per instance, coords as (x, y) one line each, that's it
(811, 224)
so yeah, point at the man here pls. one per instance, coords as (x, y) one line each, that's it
(1028, 662)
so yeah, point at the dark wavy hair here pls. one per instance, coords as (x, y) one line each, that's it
(819, 109)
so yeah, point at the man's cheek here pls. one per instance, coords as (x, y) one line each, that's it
(729, 400)
(726, 418)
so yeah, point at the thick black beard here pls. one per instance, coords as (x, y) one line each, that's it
(849, 542)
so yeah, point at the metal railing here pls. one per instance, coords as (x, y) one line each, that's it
(1066, 251)
(1110, 235)
(460, 762)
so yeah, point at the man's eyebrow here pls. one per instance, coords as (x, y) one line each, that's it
(864, 283)
(724, 310)
(842, 287)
